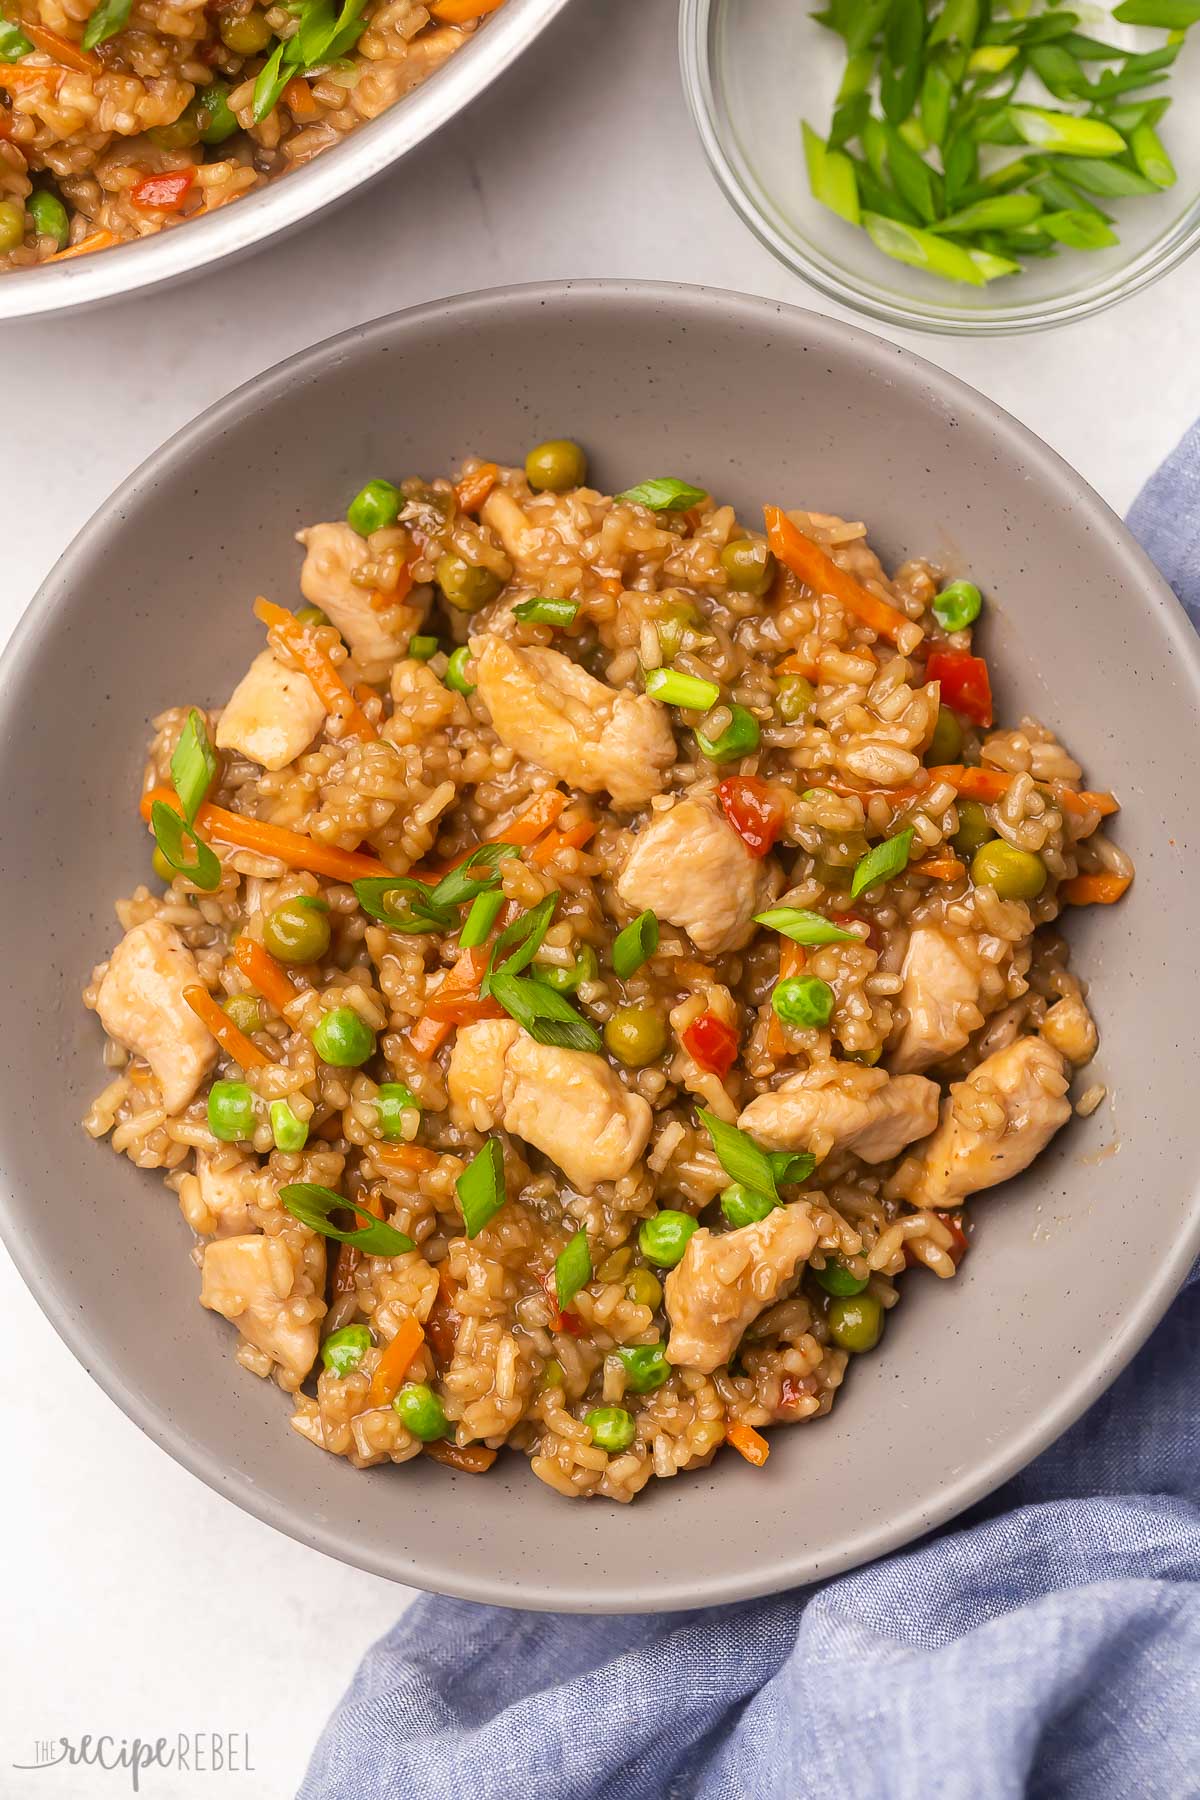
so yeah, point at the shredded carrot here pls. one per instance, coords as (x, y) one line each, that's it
(1093, 890)
(791, 962)
(69, 54)
(290, 847)
(689, 969)
(810, 564)
(554, 841)
(795, 664)
(428, 1035)
(749, 1443)
(330, 689)
(381, 601)
(235, 1043)
(474, 488)
(458, 993)
(263, 972)
(410, 1157)
(24, 75)
(525, 829)
(460, 12)
(298, 98)
(940, 868)
(98, 240)
(469, 1459)
(992, 784)
(393, 1365)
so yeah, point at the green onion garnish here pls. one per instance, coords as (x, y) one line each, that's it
(543, 1013)
(312, 1205)
(804, 927)
(522, 937)
(289, 1132)
(480, 1187)
(374, 896)
(193, 765)
(13, 42)
(104, 21)
(754, 1168)
(739, 738)
(881, 863)
(456, 671)
(635, 945)
(172, 835)
(664, 494)
(460, 885)
(572, 1270)
(541, 611)
(480, 919)
(422, 648)
(674, 688)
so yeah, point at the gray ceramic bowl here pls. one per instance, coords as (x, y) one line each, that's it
(1072, 1265)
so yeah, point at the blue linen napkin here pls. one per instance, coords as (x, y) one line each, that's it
(1046, 1643)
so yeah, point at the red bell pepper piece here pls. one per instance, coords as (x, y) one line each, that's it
(163, 193)
(965, 686)
(712, 1043)
(752, 810)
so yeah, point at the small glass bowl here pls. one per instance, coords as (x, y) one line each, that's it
(753, 69)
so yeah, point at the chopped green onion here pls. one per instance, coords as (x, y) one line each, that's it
(1080, 230)
(270, 82)
(289, 1132)
(480, 919)
(740, 1157)
(521, 940)
(1004, 212)
(480, 1187)
(1166, 15)
(193, 765)
(664, 494)
(1150, 156)
(541, 611)
(881, 863)
(171, 835)
(572, 1270)
(804, 927)
(459, 886)
(422, 648)
(958, 605)
(831, 177)
(635, 945)
(922, 249)
(456, 670)
(104, 21)
(992, 59)
(1064, 134)
(739, 738)
(312, 1205)
(791, 1165)
(1111, 180)
(675, 688)
(373, 892)
(392, 1101)
(543, 1013)
(13, 42)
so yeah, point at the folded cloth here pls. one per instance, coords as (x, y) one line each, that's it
(1046, 1643)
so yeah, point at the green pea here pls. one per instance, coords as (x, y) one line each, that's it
(739, 737)
(803, 1001)
(612, 1428)
(663, 1237)
(421, 1412)
(974, 828)
(837, 1279)
(553, 1375)
(616, 1264)
(636, 1035)
(742, 1206)
(645, 1289)
(343, 1350)
(565, 981)
(466, 585)
(343, 1039)
(646, 1366)
(945, 746)
(296, 932)
(957, 606)
(246, 34)
(795, 699)
(244, 1011)
(181, 133)
(456, 670)
(231, 1111)
(671, 624)
(49, 216)
(12, 225)
(749, 567)
(213, 114)
(421, 648)
(162, 867)
(311, 615)
(832, 875)
(555, 466)
(1015, 874)
(374, 507)
(289, 1132)
(856, 1322)
(391, 1103)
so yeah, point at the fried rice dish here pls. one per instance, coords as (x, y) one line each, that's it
(599, 951)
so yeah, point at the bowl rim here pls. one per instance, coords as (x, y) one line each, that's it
(1002, 320)
(783, 1567)
(362, 156)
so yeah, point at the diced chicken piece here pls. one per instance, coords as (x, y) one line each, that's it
(140, 1002)
(549, 710)
(692, 868)
(942, 980)
(375, 639)
(228, 1190)
(994, 1123)
(1069, 1026)
(725, 1280)
(566, 1103)
(272, 715)
(841, 1106)
(252, 1281)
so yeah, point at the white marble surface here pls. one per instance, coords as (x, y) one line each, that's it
(136, 1600)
